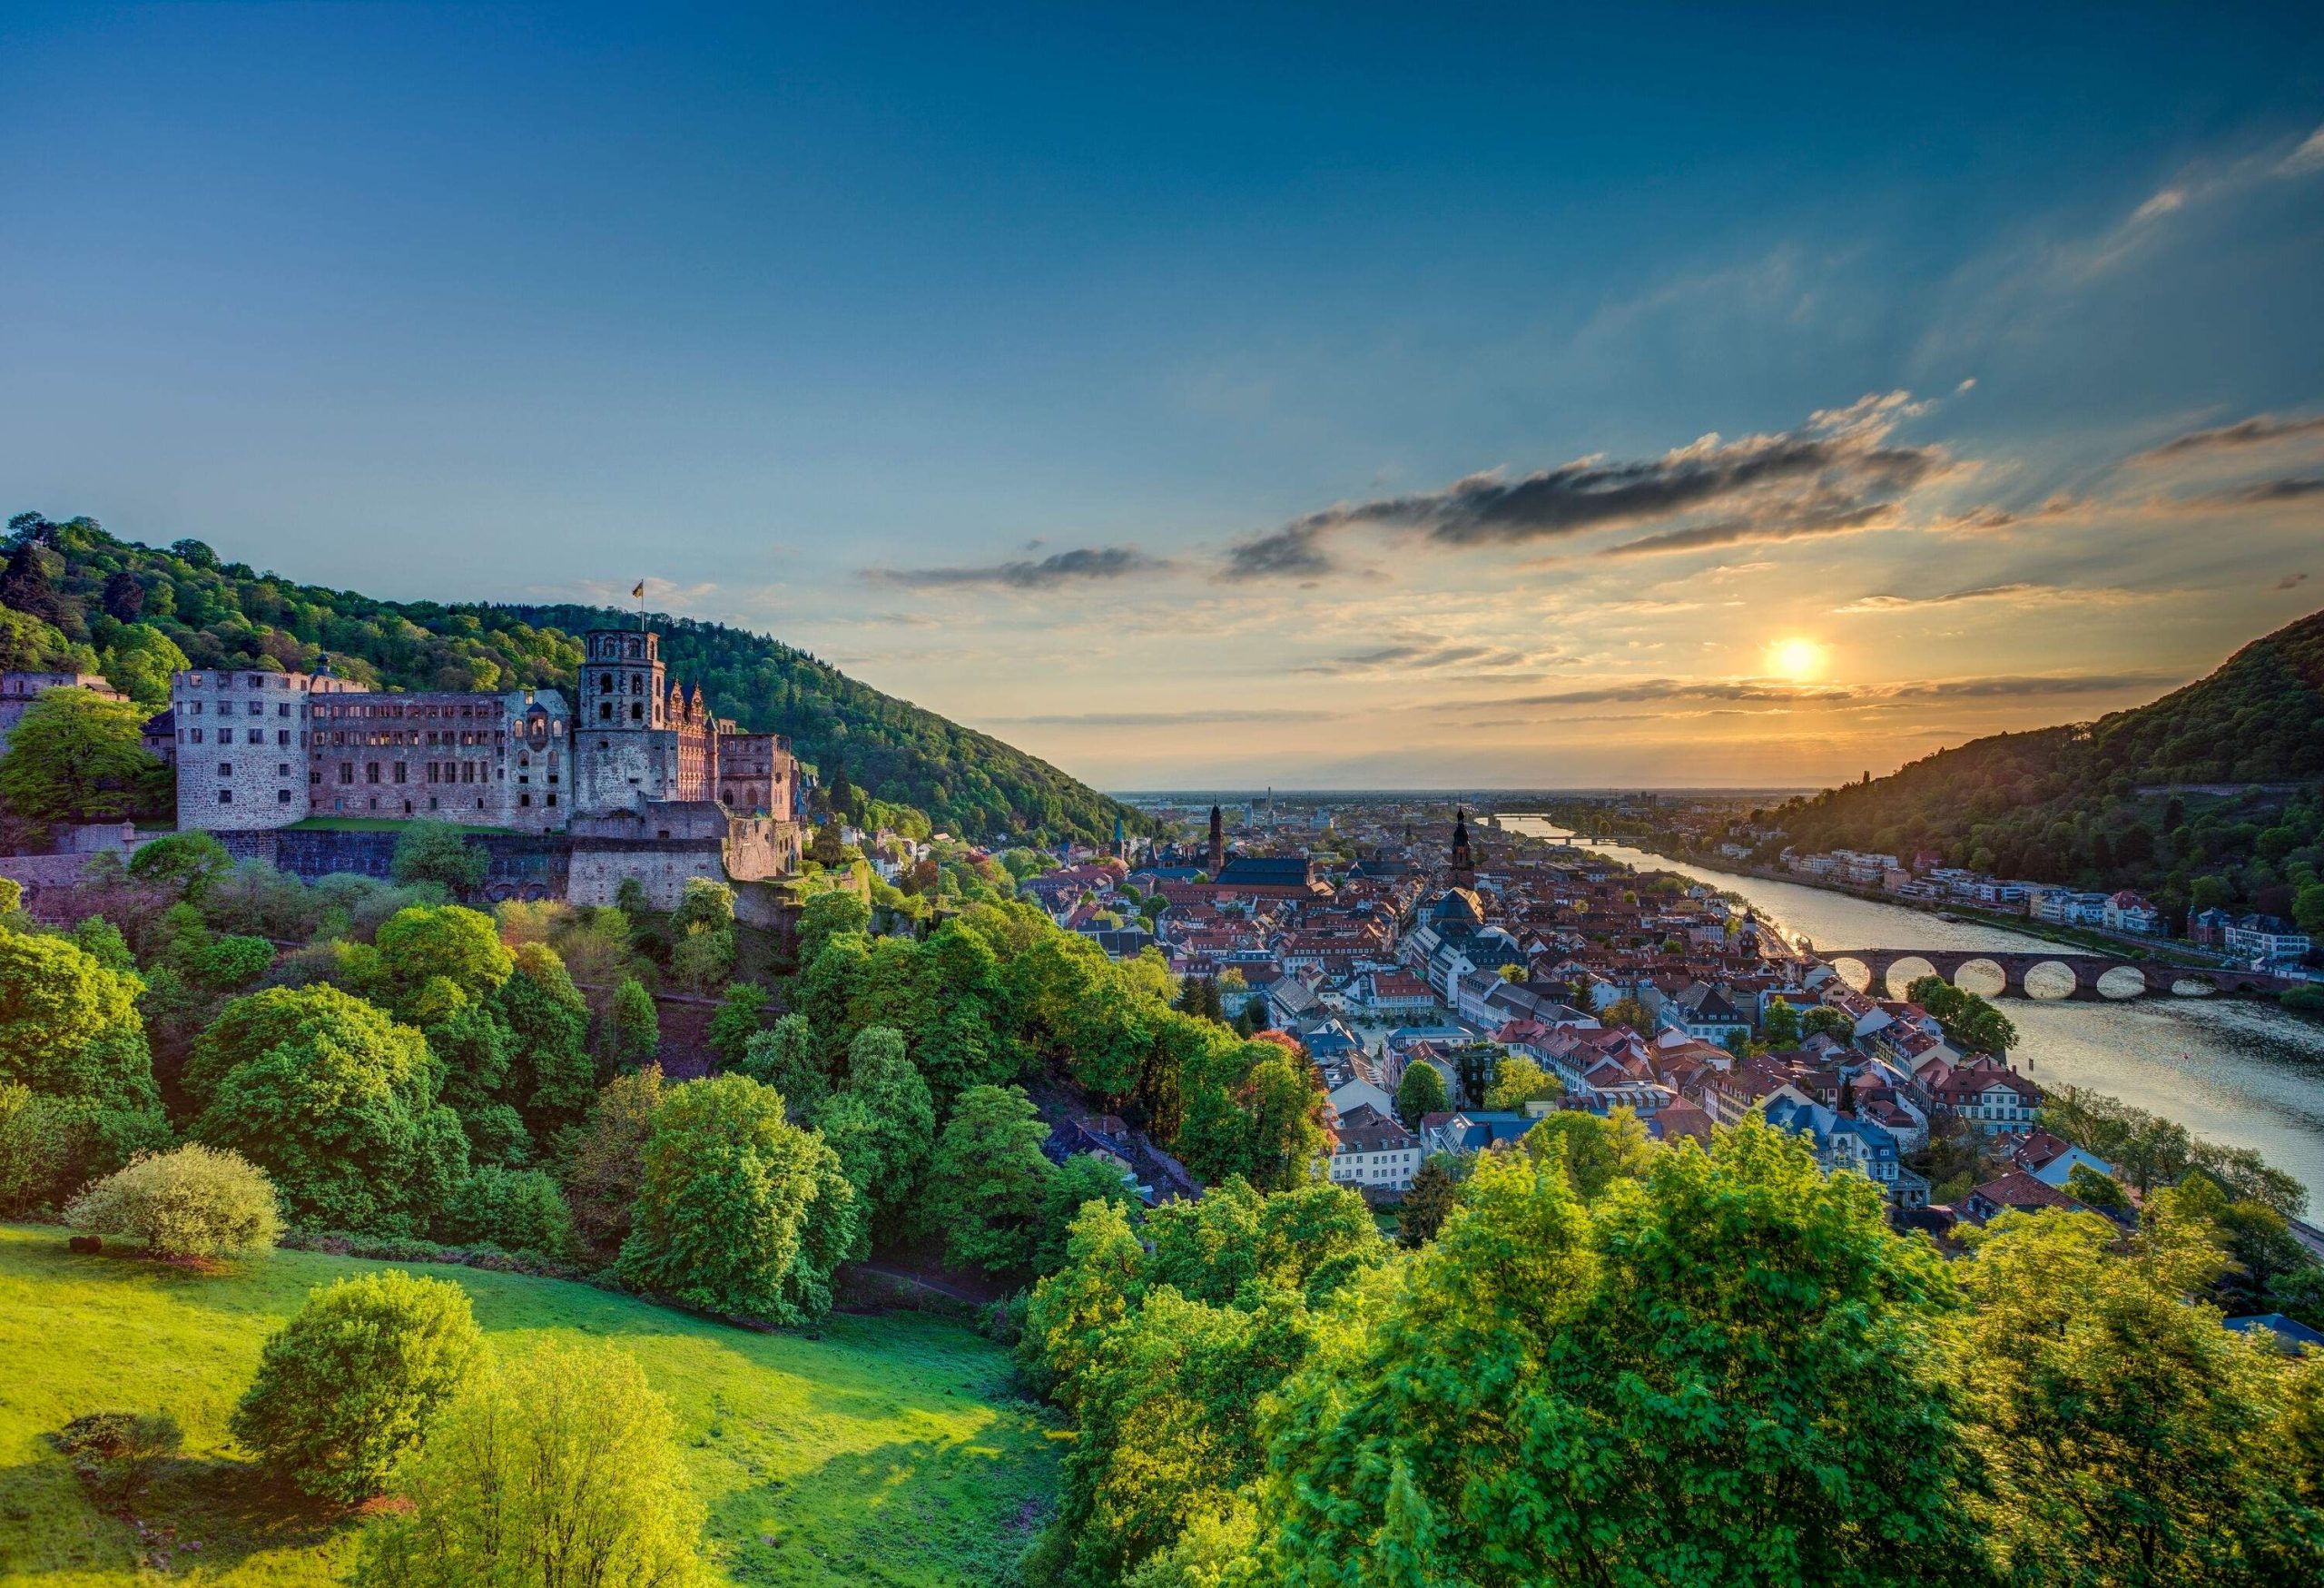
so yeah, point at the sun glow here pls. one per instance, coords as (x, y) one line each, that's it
(1794, 658)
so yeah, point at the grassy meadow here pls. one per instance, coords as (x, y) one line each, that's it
(886, 1451)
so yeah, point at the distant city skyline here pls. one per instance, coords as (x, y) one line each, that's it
(1532, 400)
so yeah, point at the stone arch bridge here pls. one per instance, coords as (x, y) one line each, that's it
(2085, 968)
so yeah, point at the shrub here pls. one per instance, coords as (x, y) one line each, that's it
(116, 1453)
(563, 1454)
(346, 1387)
(194, 1202)
(637, 1026)
(517, 1211)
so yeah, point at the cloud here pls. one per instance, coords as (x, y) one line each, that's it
(1431, 655)
(2257, 494)
(2258, 430)
(2291, 581)
(1839, 471)
(2026, 685)
(1142, 719)
(1992, 519)
(2306, 159)
(1766, 691)
(2018, 593)
(1083, 563)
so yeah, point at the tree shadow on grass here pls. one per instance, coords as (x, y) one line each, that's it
(910, 1512)
(190, 1511)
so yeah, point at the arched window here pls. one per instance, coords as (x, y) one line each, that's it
(606, 683)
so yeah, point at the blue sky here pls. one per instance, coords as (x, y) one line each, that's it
(1109, 379)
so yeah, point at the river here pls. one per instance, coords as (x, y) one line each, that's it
(2241, 1072)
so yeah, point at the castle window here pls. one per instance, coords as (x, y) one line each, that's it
(399, 772)
(524, 799)
(636, 711)
(552, 799)
(225, 796)
(604, 713)
(225, 769)
(606, 683)
(283, 797)
(370, 772)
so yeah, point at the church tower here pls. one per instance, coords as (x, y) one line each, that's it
(623, 744)
(1217, 843)
(1464, 867)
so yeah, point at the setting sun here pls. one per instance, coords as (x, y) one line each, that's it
(1794, 658)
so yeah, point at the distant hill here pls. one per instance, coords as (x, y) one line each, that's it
(86, 583)
(2219, 780)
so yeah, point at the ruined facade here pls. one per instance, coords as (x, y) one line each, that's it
(636, 771)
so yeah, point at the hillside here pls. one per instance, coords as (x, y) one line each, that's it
(2208, 795)
(887, 1451)
(86, 583)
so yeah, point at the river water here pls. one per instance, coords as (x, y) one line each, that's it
(2240, 1072)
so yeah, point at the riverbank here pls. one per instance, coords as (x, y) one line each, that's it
(2124, 946)
(2240, 1071)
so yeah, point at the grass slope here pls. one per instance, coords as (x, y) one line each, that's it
(886, 1452)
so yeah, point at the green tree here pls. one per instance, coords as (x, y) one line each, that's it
(826, 916)
(738, 1210)
(447, 943)
(192, 1202)
(1780, 1026)
(637, 1028)
(348, 1385)
(740, 1017)
(336, 1102)
(786, 1057)
(188, 863)
(2177, 1459)
(2094, 1188)
(1615, 1394)
(1428, 1203)
(1518, 1081)
(1072, 1310)
(1081, 1178)
(76, 757)
(1971, 1024)
(436, 851)
(881, 1123)
(1826, 1022)
(69, 1027)
(550, 1077)
(608, 1162)
(140, 662)
(517, 1211)
(988, 1182)
(1421, 1091)
(557, 1467)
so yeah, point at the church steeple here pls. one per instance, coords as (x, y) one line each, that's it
(1217, 854)
(1464, 867)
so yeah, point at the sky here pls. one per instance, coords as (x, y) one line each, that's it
(1343, 397)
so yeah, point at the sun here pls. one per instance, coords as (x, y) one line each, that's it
(1794, 658)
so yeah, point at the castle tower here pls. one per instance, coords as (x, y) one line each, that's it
(1464, 866)
(1217, 842)
(624, 745)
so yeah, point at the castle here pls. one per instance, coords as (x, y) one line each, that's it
(641, 782)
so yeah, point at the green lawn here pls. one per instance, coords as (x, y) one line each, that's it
(889, 1451)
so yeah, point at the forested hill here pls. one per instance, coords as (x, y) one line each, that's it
(96, 597)
(2123, 801)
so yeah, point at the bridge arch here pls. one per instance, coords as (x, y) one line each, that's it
(1982, 975)
(2050, 979)
(2122, 982)
(1904, 970)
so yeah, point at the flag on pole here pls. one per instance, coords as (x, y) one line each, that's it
(640, 591)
